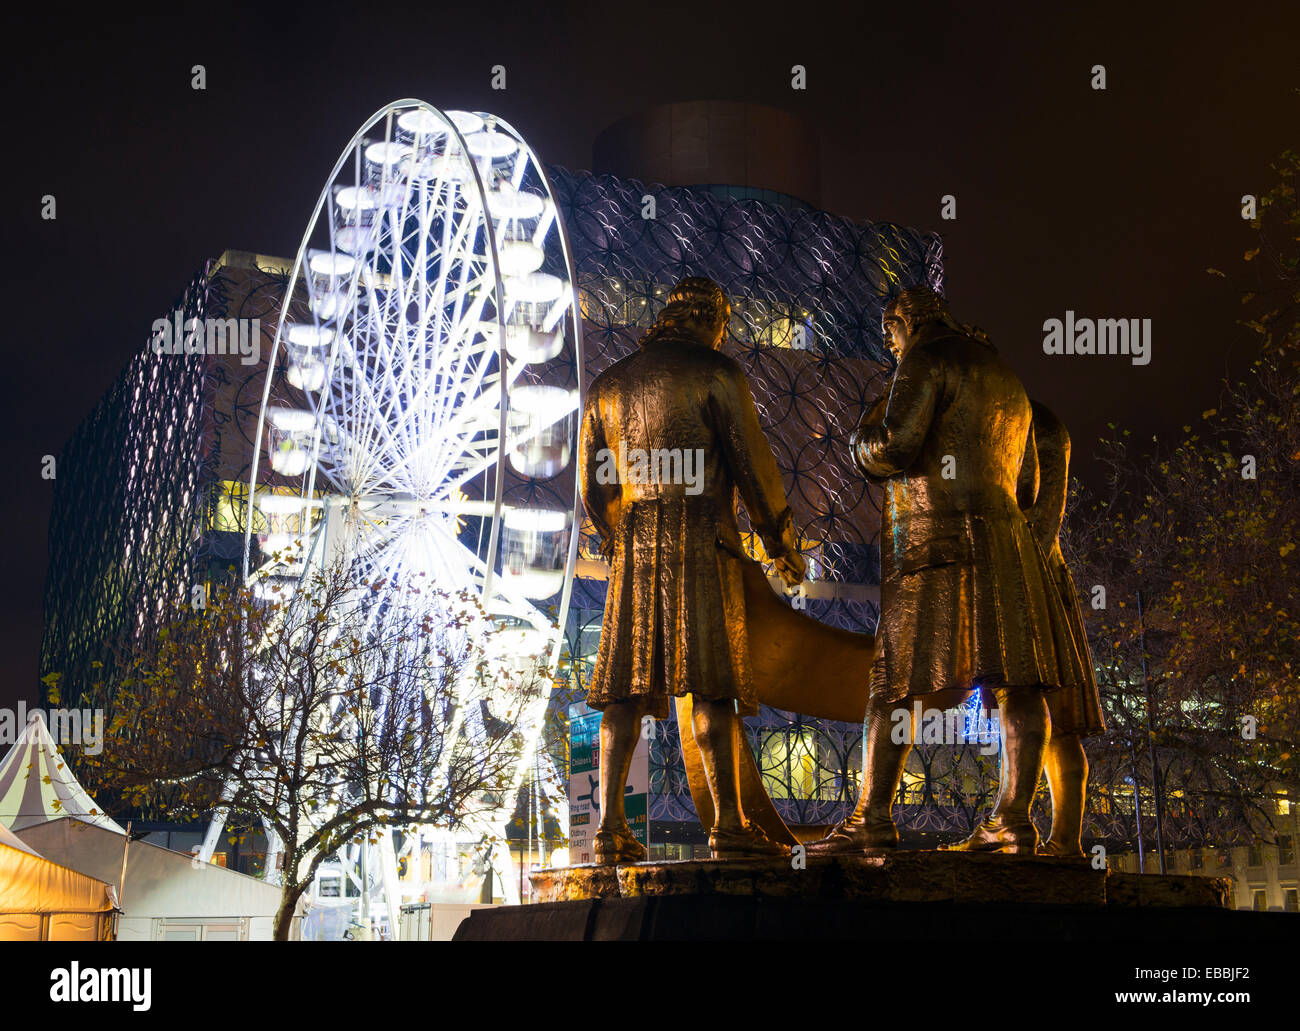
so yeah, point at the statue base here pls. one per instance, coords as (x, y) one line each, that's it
(917, 895)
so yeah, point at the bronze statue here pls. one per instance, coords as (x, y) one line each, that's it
(674, 619)
(1076, 708)
(964, 600)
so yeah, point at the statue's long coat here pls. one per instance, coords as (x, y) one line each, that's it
(964, 597)
(1076, 708)
(674, 616)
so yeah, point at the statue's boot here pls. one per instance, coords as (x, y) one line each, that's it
(1066, 767)
(997, 834)
(1025, 731)
(860, 832)
(619, 846)
(872, 824)
(728, 844)
(1060, 850)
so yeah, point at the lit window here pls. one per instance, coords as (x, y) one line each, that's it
(789, 763)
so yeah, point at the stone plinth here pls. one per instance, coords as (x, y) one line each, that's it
(566, 883)
(1167, 890)
(894, 896)
(907, 876)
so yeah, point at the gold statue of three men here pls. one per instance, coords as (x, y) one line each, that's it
(975, 594)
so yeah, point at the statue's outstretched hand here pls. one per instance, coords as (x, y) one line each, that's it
(791, 568)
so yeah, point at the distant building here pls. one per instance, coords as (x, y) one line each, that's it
(141, 517)
(1265, 874)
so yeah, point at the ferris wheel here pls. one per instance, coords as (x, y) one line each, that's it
(422, 395)
(427, 357)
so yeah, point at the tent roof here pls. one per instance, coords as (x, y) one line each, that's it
(30, 884)
(37, 785)
(159, 882)
(8, 837)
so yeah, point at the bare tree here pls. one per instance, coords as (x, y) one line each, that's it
(1205, 531)
(336, 714)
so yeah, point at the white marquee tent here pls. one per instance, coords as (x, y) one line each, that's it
(42, 901)
(164, 895)
(168, 895)
(36, 784)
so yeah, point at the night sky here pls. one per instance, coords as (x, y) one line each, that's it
(1108, 203)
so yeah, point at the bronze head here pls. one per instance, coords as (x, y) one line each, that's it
(907, 313)
(697, 306)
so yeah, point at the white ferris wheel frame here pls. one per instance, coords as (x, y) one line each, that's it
(517, 605)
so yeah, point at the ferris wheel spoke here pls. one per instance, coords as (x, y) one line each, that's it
(503, 600)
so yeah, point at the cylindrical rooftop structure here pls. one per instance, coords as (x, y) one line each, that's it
(715, 143)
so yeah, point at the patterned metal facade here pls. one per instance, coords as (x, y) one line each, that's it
(807, 291)
(143, 514)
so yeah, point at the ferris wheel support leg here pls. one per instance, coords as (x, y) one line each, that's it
(502, 864)
(530, 724)
(274, 850)
(215, 827)
(349, 856)
(392, 887)
(557, 795)
(216, 824)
